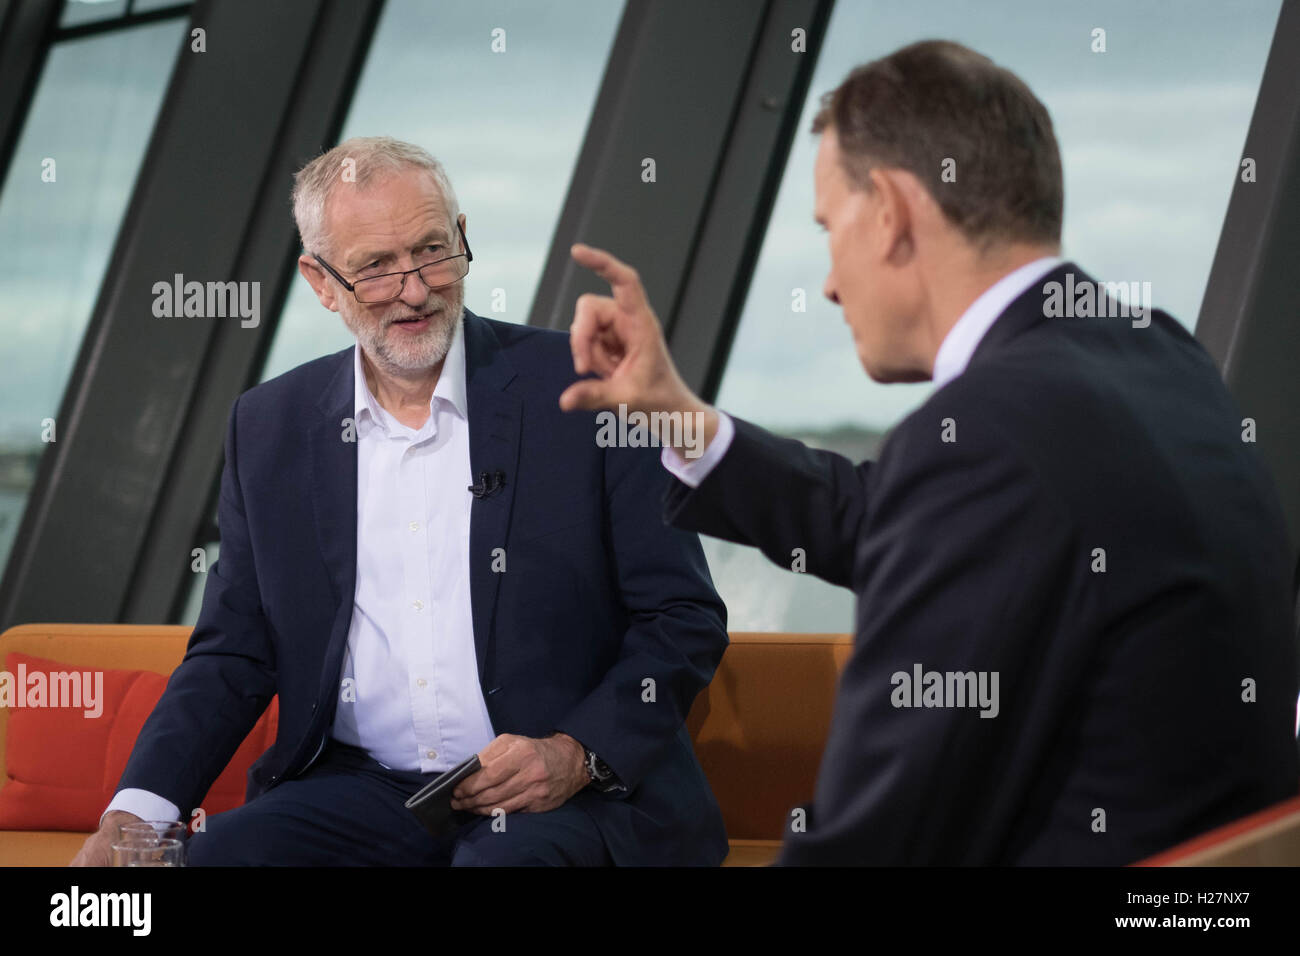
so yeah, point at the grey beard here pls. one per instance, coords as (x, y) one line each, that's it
(417, 356)
(425, 355)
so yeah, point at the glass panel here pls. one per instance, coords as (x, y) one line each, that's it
(1151, 133)
(146, 6)
(77, 12)
(60, 208)
(506, 125)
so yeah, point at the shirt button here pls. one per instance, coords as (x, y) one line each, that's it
(421, 682)
(431, 754)
(414, 526)
(418, 605)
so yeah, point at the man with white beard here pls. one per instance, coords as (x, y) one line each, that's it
(427, 560)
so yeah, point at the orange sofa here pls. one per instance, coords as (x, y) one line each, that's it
(758, 728)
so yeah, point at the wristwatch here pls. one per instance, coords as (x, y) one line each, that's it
(598, 772)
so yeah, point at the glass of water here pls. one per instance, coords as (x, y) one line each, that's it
(145, 831)
(151, 831)
(157, 852)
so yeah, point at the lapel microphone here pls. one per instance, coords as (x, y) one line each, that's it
(488, 484)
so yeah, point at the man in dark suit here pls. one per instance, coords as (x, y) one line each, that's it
(425, 559)
(1073, 639)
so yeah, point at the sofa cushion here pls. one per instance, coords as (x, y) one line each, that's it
(62, 764)
(759, 728)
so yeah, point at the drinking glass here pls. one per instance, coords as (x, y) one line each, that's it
(146, 831)
(149, 832)
(159, 852)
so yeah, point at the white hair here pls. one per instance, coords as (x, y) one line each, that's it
(360, 160)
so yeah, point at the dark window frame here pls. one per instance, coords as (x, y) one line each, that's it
(121, 498)
(1248, 321)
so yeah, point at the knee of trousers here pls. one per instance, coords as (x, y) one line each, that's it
(230, 839)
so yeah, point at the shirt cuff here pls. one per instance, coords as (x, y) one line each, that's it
(691, 472)
(145, 805)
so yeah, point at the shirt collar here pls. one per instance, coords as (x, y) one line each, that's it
(450, 387)
(959, 344)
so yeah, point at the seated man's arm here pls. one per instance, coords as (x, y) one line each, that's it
(227, 678)
(678, 629)
(142, 805)
(217, 693)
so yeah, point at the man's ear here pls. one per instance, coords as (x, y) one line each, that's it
(319, 280)
(895, 213)
(462, 220)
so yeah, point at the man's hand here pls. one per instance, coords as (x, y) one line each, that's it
(523, 774)
(98, 848)
(619, 339)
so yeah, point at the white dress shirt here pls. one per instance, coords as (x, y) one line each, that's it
(954, 354)
(409, 691)
(411, 651)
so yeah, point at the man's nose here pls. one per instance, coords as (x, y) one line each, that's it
(828, 290)
(414, 291)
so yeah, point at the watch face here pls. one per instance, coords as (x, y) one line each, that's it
(596, 768)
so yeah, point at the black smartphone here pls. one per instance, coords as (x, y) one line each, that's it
(432, 805)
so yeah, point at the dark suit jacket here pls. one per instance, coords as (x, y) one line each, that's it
(598, 595)
(1121, 692)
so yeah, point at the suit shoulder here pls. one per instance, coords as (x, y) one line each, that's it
(1022, 411)
(1047, 377)
(512, 335)
(533, 351)
(983, 399)
(1085, 376)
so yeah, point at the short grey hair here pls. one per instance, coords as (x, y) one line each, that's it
(368, 159)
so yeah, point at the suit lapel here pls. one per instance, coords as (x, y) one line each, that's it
(333, 448)
(334, 479)
(495, 416)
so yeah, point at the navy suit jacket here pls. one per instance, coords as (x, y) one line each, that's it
(598, 596)
(1139, 705)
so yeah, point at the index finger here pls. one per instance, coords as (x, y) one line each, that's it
(622, 278)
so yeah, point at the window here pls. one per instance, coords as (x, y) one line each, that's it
(62, 202)
(1150, 132)
(500, 93)
(79, 12)
(506, 125)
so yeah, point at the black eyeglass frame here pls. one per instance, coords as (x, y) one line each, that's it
(352, 287)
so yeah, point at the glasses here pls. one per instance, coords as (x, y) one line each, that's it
(387, 287)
